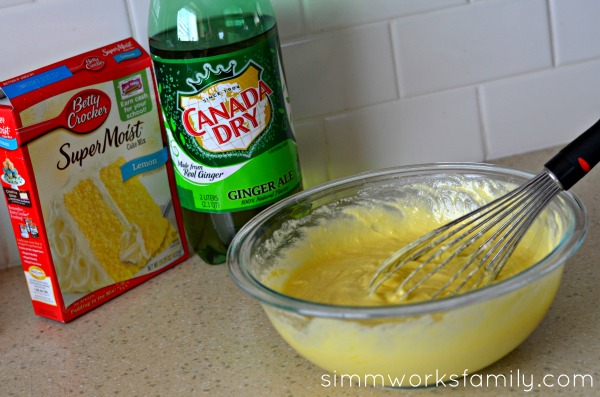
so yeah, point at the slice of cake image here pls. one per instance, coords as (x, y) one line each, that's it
(105, 230)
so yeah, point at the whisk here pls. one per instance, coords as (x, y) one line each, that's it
(479, 243)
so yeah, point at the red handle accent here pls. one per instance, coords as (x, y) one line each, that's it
(584, 164)
(576, 159)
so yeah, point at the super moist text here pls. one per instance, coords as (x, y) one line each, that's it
(115, 138)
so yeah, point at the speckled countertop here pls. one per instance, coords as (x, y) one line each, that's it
(191, 332)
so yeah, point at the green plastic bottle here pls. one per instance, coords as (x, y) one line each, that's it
(225, 106)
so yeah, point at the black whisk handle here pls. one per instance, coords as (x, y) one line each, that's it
(576, 159)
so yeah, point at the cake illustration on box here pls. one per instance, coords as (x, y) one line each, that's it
(10, 174)
(105, 230)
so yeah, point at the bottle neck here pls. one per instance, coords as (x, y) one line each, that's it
(205, 24)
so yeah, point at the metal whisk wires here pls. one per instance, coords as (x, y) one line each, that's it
(478, 243)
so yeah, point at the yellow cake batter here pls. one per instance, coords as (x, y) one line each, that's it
(339, 259)
(334, 259)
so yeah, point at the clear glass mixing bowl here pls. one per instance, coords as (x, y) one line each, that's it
(414, 344)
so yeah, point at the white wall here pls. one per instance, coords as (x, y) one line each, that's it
(379, 83)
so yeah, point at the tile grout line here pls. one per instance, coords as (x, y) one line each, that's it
(485, 139)
(552, 32)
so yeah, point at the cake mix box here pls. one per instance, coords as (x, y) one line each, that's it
(86, 174)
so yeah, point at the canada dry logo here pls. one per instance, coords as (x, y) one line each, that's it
(230, 113)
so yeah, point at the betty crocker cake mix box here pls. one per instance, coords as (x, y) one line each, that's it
(87, 178)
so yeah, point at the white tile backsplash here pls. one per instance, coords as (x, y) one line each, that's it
(138, 16)
(290, 19)
(331, 14)
(432, 128)
(382, 82)
(341, 70)
(9, 3)
(312, 141)
(540, 110)
(576, 28)
(35, 34)
(469, 45)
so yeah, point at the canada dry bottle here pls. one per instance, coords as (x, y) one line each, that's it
(225, 106)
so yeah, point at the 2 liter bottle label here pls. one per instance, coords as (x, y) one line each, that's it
(229, 129)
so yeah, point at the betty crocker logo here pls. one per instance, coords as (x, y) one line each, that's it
(86, 111)
(83, 113)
